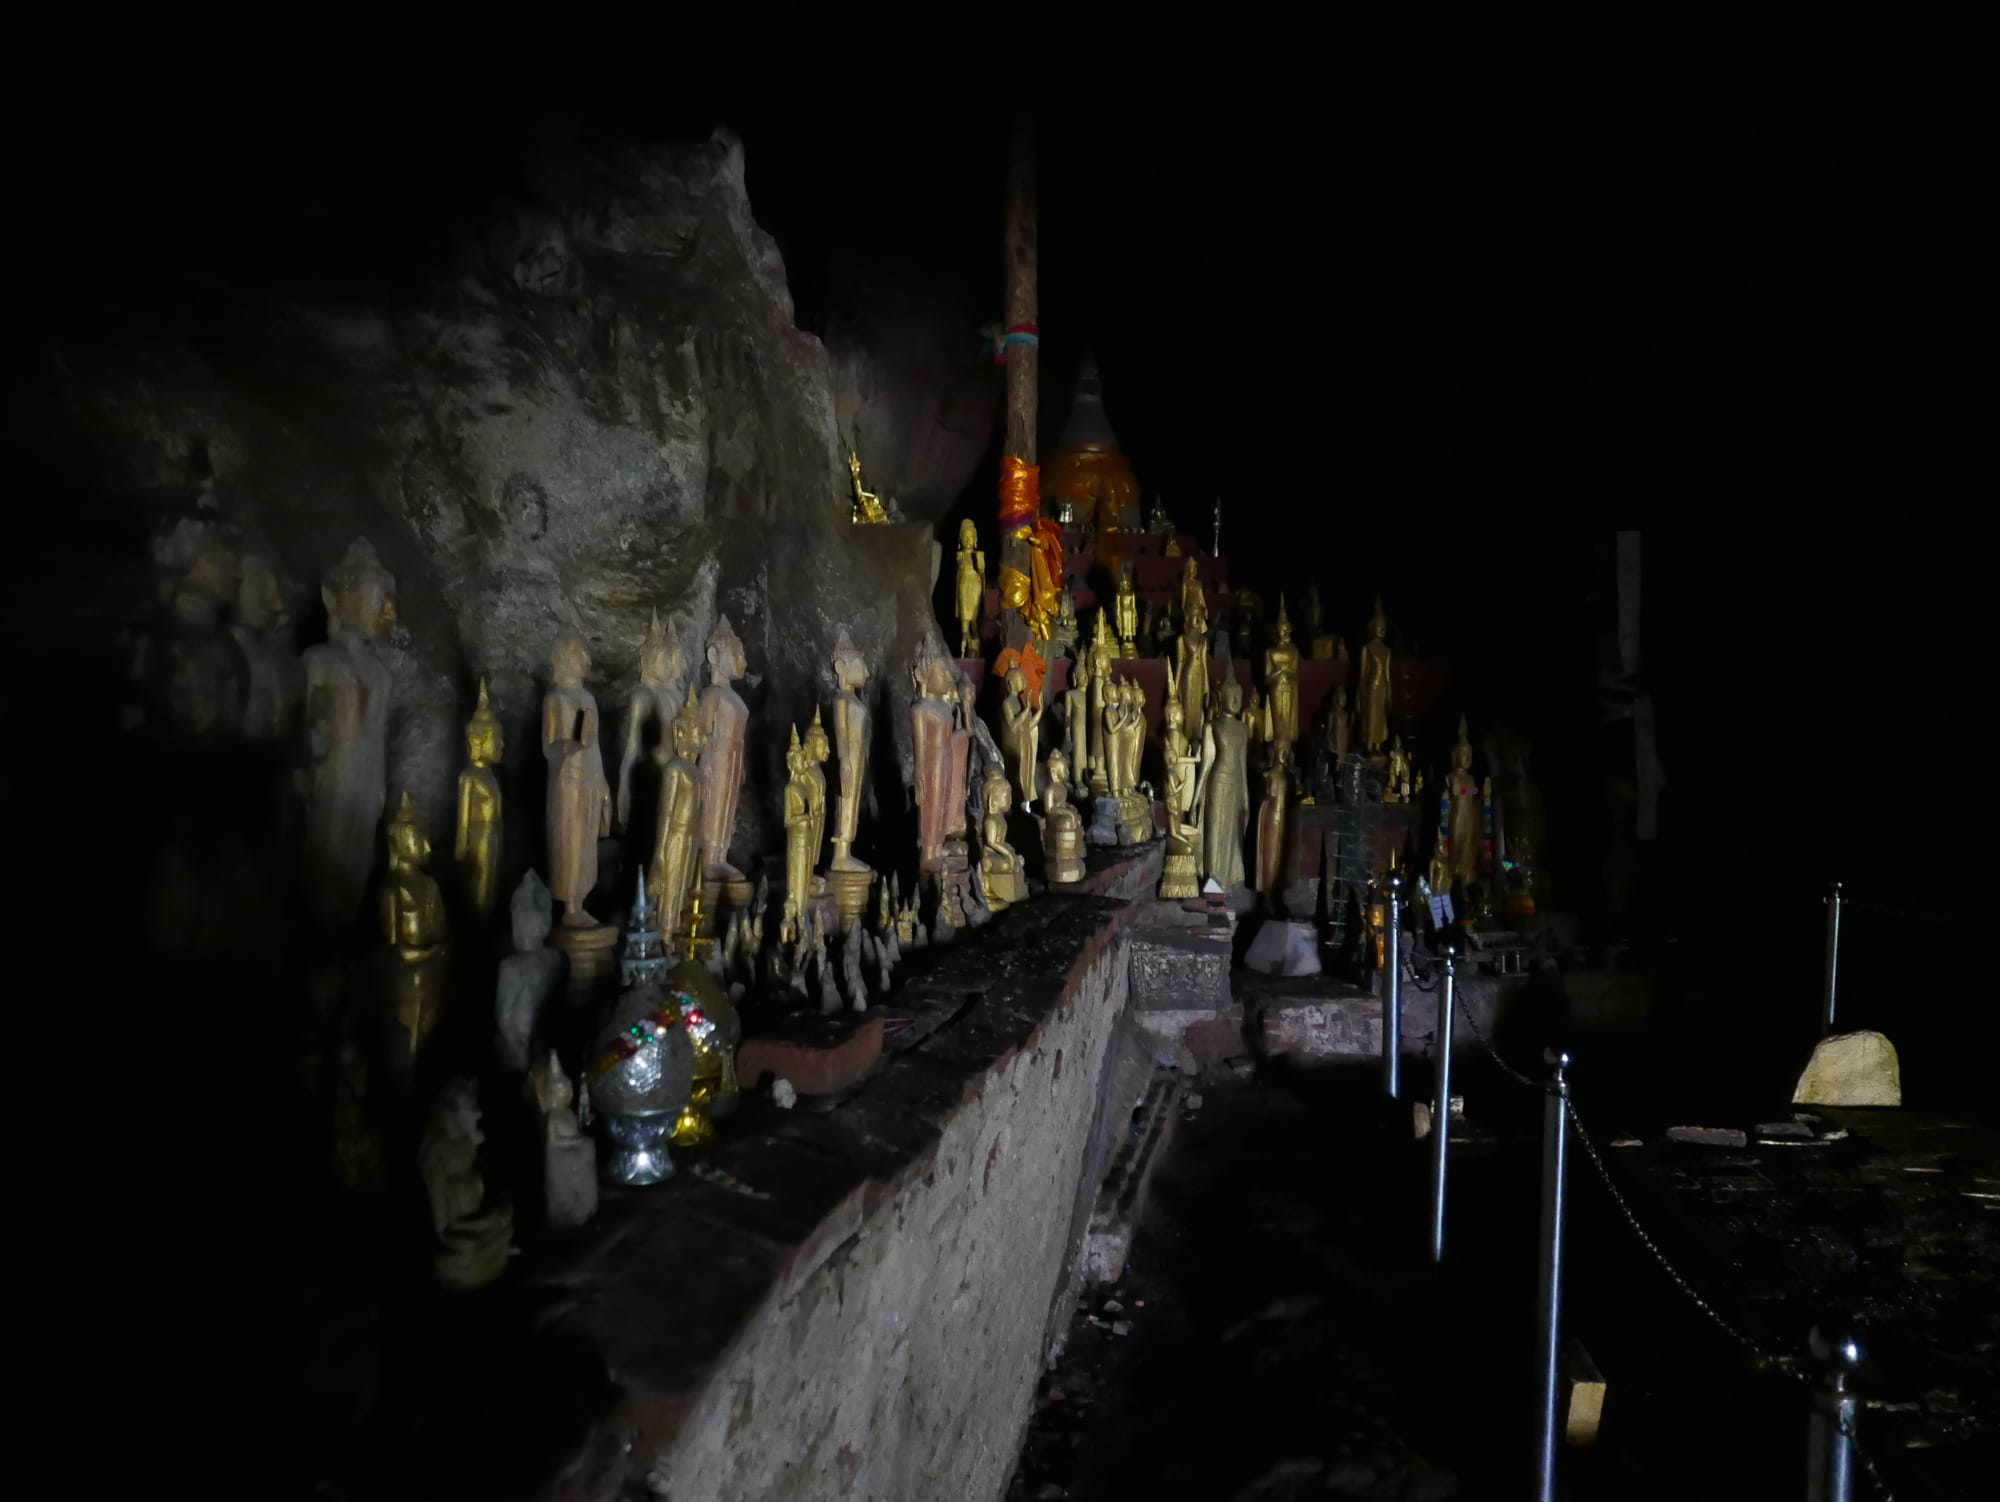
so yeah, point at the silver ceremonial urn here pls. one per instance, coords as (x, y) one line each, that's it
(642, 1073)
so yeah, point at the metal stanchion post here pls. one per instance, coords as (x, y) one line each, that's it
(1450, 946)
(1833, 904)
(1830, 1463)
(1392, 995)
(1548, 1320)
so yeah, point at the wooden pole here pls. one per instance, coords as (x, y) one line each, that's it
(1023, 366)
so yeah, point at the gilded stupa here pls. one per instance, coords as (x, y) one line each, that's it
(1088, 474)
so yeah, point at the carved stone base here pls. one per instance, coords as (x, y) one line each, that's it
(850, 891)
(593, 953)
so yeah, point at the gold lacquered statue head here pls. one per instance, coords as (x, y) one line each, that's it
(408, 849)
(483, 742)
(688, 734)
(569, 660)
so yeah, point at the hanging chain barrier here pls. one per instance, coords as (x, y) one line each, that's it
(1762, 1360)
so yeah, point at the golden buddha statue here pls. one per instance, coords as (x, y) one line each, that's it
(971, 588)
(1177, 872)
(1281, 684)
(817, 750)
(579, 808)
(1223, 793)
(646, 712)
(1271, 835)
(1374, 704)
(1076, 715)
(413, 925)
(476, 850)
(999, 863)
(1062, 826)
(1087, 473)
(1126, 603)
(1191, 654)
(1467, 815)
(798, 842)
(867, 507)
(1101, 654)
(1256, 723)
(1021, 731)
(675, 869)
(1398, 788)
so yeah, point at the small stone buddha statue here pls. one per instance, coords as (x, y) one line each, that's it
(1225, 789)
(476, 848)
(1021, 731)
(413, 924)
(675, 866)
(724, 718)
(579, 803)
(529, 977)
(1062, 826)
(477, 1242)
(1374, 690)
(1126, 606)
(347, 726)
(569, 1159)
(263, 632)
(971, 588)
(998, 861)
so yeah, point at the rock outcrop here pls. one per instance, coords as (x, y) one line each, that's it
(601, 406)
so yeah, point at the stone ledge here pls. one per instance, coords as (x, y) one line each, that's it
(807, 1338)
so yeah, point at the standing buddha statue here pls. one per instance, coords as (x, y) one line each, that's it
(1177, 873)
(579, 807)
(646, 712)
(1467, 826)
(971, 588)
(1076, 715)
(1224, 790)
(798, 842)
(413, 926)
(1271, 836)
(347, 727)
(675, 866)
(1192, 655)
(1126, 603)
(1375, 682)
(476, 850)
(1101, 654)
(1021, 731)
(933, 714)
(1281, 684)
(724, 717)
(817, 750)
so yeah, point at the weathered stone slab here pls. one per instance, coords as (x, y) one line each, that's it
(1708, 1136)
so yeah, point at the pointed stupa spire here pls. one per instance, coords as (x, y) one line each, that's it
(1088, 429)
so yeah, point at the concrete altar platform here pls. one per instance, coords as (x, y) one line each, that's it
(793, 1315)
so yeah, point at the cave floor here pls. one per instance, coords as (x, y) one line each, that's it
(1279, 1332)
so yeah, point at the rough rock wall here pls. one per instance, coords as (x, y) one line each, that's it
(903, 1365)
(605, 407)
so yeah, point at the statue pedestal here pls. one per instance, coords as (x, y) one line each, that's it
(721, 898)
(850, 891)
(1284, 946)
(1177, 873)
(592, 955)
(1106, 829)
